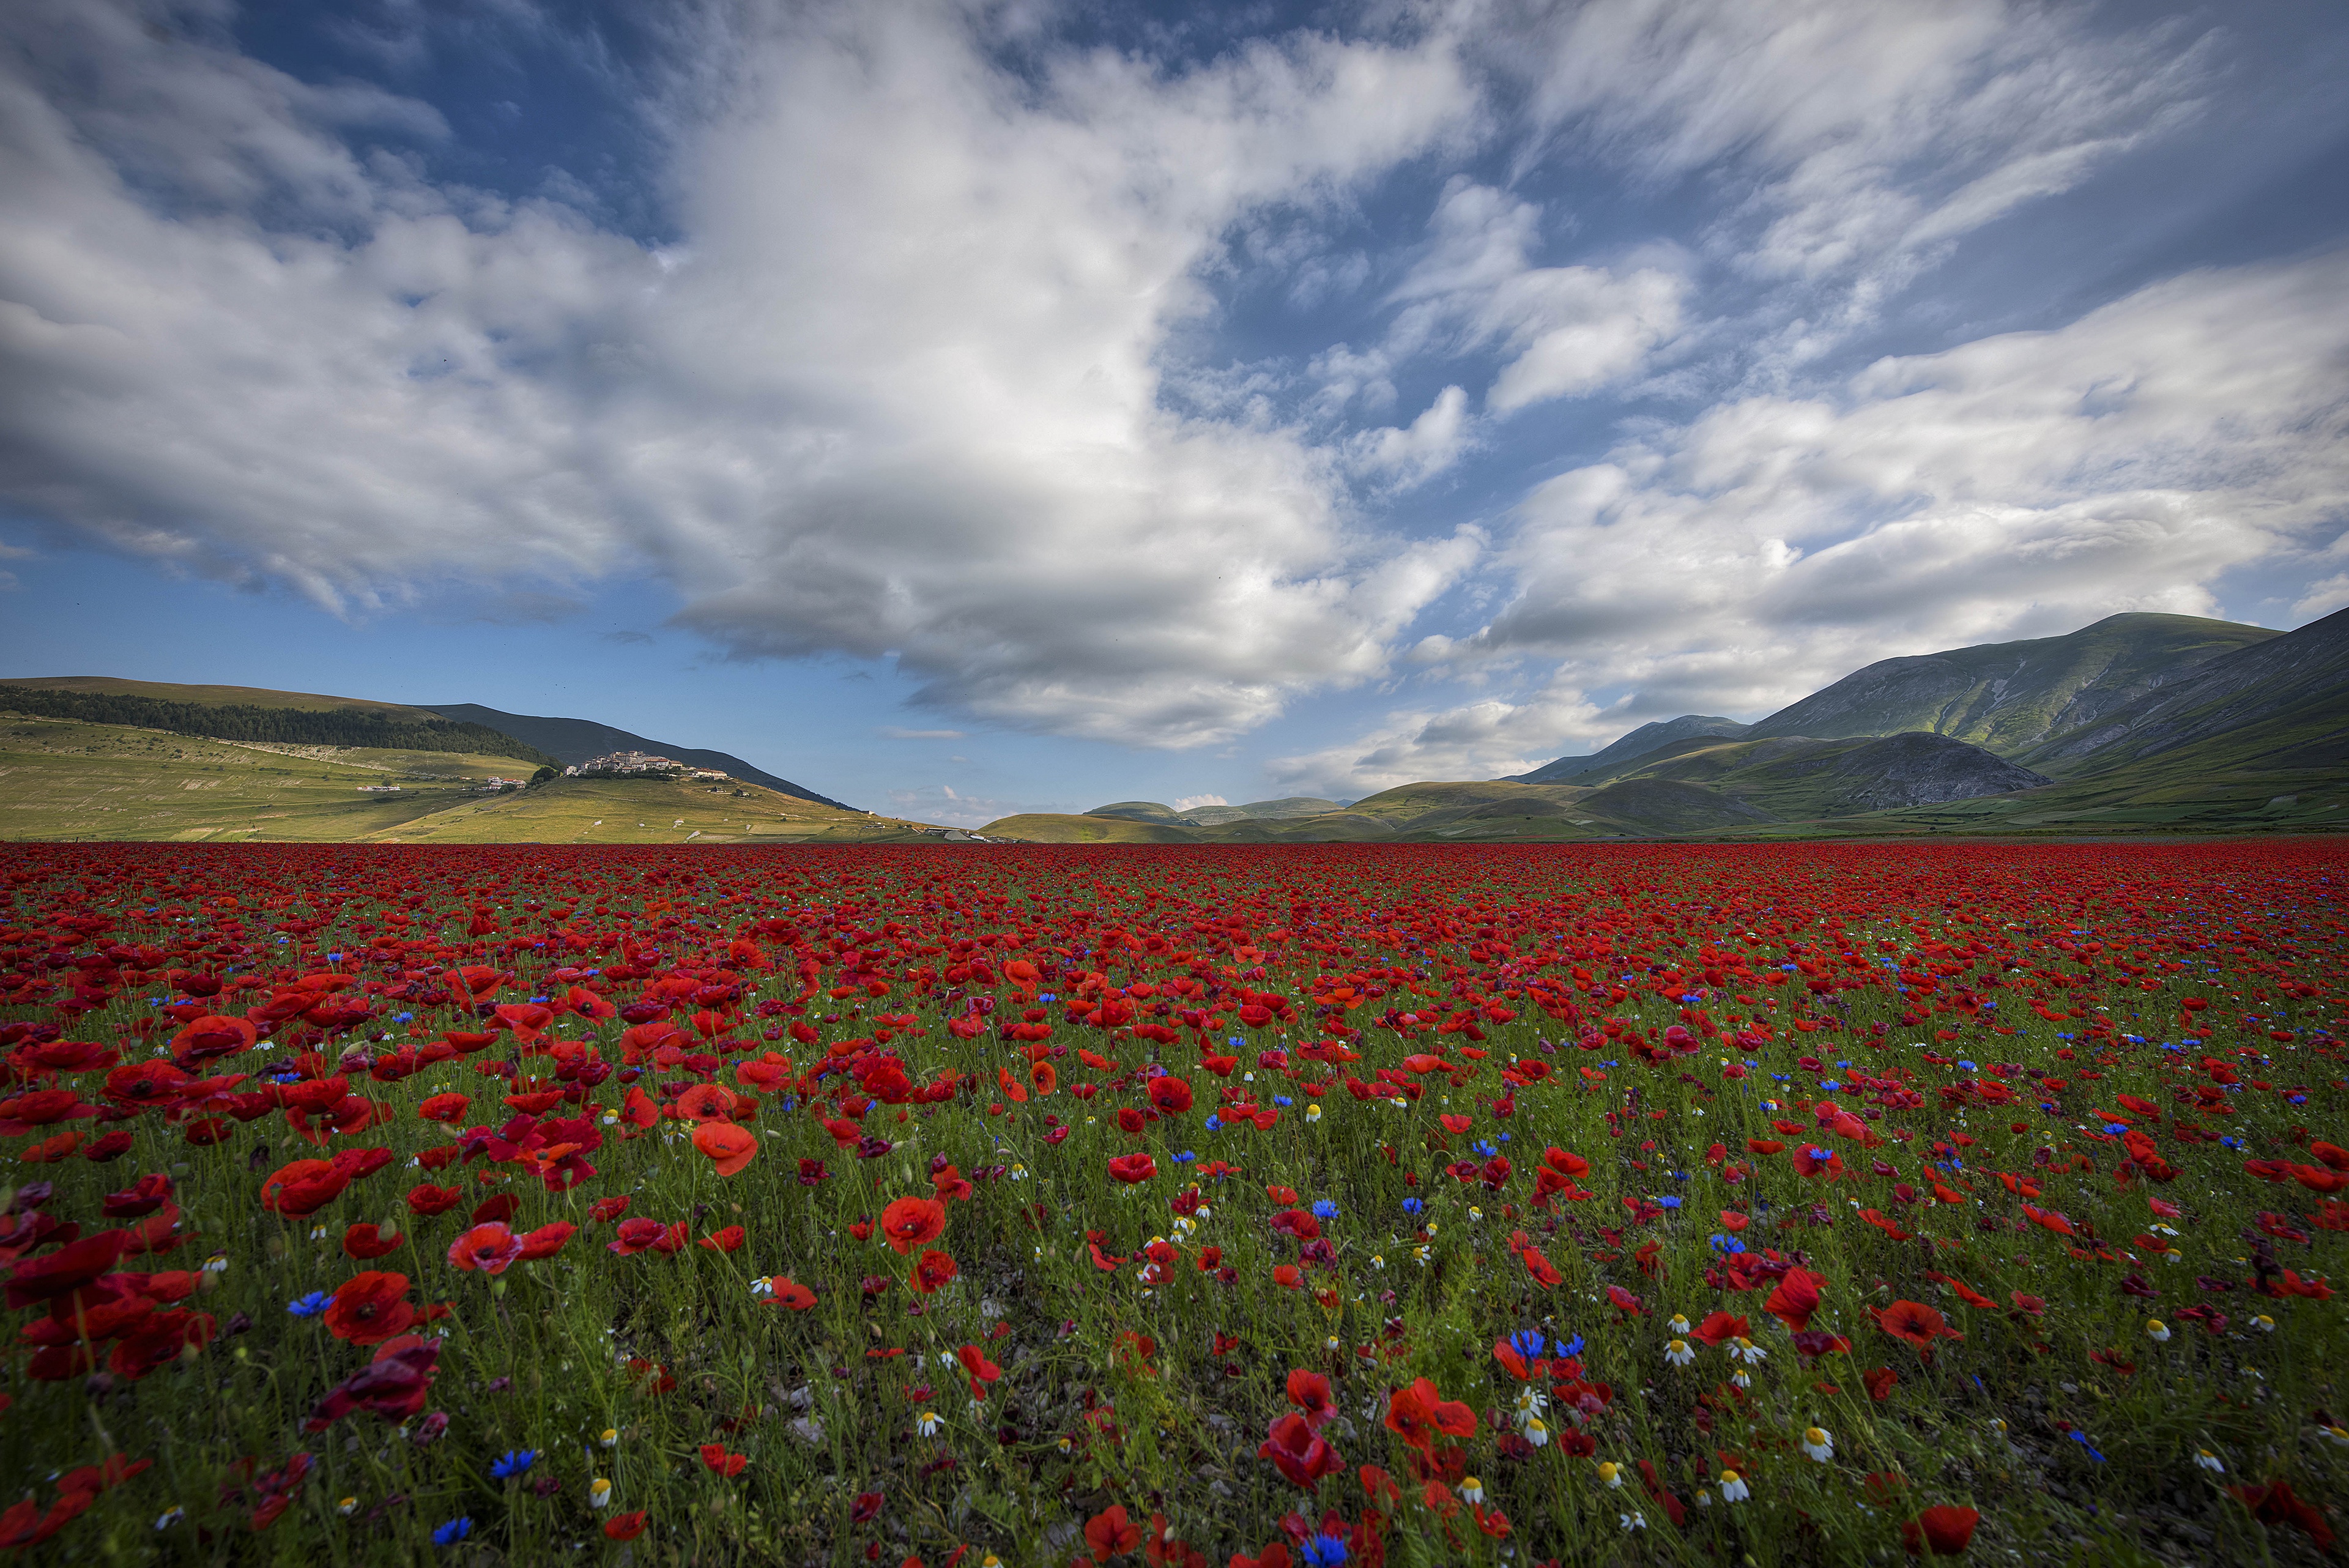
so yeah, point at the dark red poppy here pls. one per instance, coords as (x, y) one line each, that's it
(367, 1309)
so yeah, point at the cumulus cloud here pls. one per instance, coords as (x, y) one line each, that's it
(894, 393)
(1194, 802)
(1488, 738)
(2022, 485)
(1869, 136)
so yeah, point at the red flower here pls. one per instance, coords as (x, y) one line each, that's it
(1110, 1534)
(910, 1222)
(726, 1240)
(425, 1200)
(1795, 1299)
(1297, 1452)
(303, 1187)
(1171, 1094)
(604, 1211)
(1309, 1392)
(1943, 1532)
(444, 1108)
(1418, 1413)
(933, 1271)
(1544, 1272)
(625, 1526)
(2274, 1504)
(367, 1309)
(367, 1241)
(394, 1385)
(728, 1465)
(546, 1240)
(729, 1147)
(1718, 1326)
(489, 1248)
(67, 1269)
(1132, 1168)
(1914, 1322)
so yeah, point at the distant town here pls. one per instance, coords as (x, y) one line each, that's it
(629, 763)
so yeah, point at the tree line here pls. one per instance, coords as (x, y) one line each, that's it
(286, 726)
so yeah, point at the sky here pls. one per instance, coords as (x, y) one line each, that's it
(964, 409)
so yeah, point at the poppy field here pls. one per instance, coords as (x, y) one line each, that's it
(963, 1205)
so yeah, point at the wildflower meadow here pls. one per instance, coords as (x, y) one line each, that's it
(985, 1206)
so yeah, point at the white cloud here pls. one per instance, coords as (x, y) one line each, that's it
(893, 732)
(1868, 135)
(1490, 738)
(1194, 802)
(1432, 443)
(2022, 485)
(895, 392)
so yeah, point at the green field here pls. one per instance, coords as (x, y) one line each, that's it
(67, 780)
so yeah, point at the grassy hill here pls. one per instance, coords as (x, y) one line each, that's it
(1047, 827)
(574, 741)
(298, 722)
(2010, 696)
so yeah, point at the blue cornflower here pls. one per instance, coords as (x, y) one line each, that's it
(2117, 1128)
(1186, 1157)
(1572, 1346)
(513, 1462)
(1213, 1121)
(1236, 1042)
(453, 1532)
(1485, 1147)
(310, 1305)
(403, 1018)
(1324, 1550)
(1282, 1100)
(1668, 1202)
(334, 958)
(1969, 1067)
(1527, 1342)
(1725, 1243)
(1325, 1209)
(1829, 1085)
(1411, 1206)
(2082, 1438)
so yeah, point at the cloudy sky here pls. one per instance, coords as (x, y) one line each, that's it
(963, 407)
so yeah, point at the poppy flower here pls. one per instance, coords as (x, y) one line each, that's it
(1110, 1534)
(1943, 1532)
(1170, 1095)
(448, 1108)
(1419, 1413)
(933, 1271)
(2275, 1504)
(369, 1241)
(367, 1309)
(1297, 1452)
(303, 1187)
(1132, 1168)
(1544, 1272)
(546, 1240)
(729, 1146)
(910, 1222)
(1309, 1392)
(1914, 1322)
(719, 1461)
(625, 1526)
(635, 1235)
(791, 1293)
(707, 1103)
(726, 1241)
(489, 1247)
(1795, 1298)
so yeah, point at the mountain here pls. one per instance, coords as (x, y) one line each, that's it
(1639, 743)
(252, 716)
(574, 741)
(2012, 696)
(1282, 810)
(2281, 702)
(1138, 811)
(1798, 779)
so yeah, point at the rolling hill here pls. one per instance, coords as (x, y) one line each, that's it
(573, 740)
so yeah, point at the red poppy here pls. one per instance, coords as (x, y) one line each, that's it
(910, 1222)
(1110, 1534)
(367, 1309)
(1795, 1298)
(1718, 1326)
(793, 1294)
(1544, 1272)
(1170, 1095)
(1943, 1532)
(1914, 1322)
(2275, 1504)
(1299, 1452)
(303, 1187)
(365, 1241)
(444, 1108)
(427, 1199)
(728, 1465)
(1132, 1168)
(489, 1248)
(729, 1146)
(604, 1211)
(1419, 1413)
(625, 1526)
(707, 1103)
(726, 1241)
(546, 1240)
(933, 1271)
(1309, 1392)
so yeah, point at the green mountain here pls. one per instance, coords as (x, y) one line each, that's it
(1137, 811)
(1288, 808)
(2012, 696)
(240, 713)
(1647, 738)
(573, 740)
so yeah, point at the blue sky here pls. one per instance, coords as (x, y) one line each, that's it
(970, 408)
